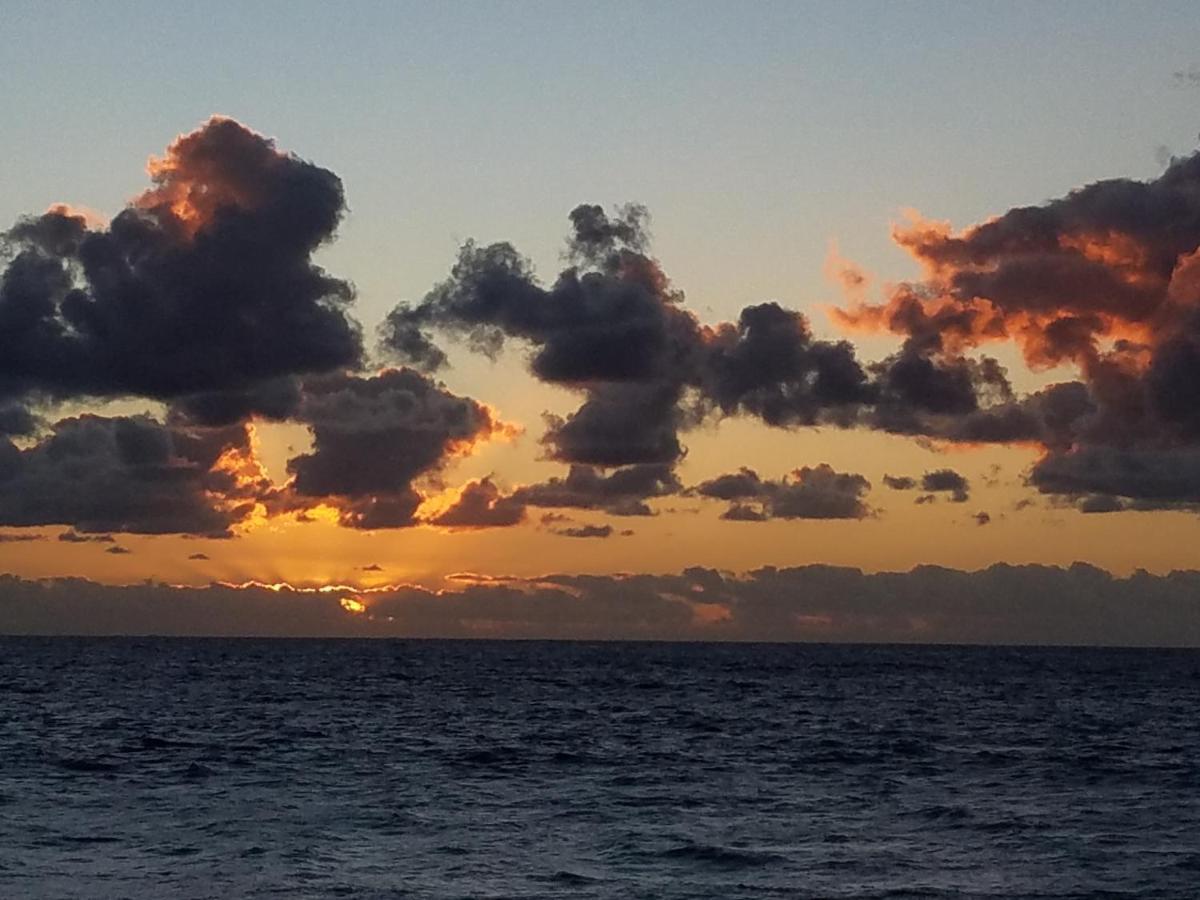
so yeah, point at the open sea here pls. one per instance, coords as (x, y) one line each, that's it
(216, 768)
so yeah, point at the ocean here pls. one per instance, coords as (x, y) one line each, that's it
(217, 768)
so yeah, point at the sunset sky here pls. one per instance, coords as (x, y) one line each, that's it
(411, 297)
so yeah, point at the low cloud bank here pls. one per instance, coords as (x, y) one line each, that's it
(1000, 605)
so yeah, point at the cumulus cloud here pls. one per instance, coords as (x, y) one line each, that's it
(946, 481)
(202, 291)
(620, 492)
(932, 483)
(1109, 479)
(614, 328)
(586, 531)
(817, 492)
(1002, 605)
(1106, 278)
(202, 294)
(128, 474)
(481, 504)
(610, 326)
(374, 436)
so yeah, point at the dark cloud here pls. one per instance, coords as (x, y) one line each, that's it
(1000, 605)
(743, 512)
(1054, 416)
(118, 550)
(914, 382)
(198, 556)
(373, 436)
(982, 518)
(932, 483)
(74, 537)
(202, 291)
(20, 538)
(619, 424)
(16, 420)
(202, 294)
(769, 365)
(807, 493)
(947, 481)
(1108, 479)
(128, 474)
(481, 505)
(610, 327)
(613, 328)
(586, 531)
(621, 492)
(1106, 278)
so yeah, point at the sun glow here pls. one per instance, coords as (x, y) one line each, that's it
(353, 606)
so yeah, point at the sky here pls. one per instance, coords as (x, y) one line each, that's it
(451, 299)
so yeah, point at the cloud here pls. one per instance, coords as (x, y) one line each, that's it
(620, 492)
(74, 537)
(618, 425)
(937, 481)
(946, 481)
(613, 328)
(1106, 278)
(982, 518)
(127, 474)
(768, 365)
(1109, 479)
(201, 292)
(480, 504)
(373, 437)
(118, 550)
(198, 556)
(1000, 605)
(609, 327)
(817, 492)
(586, 531)
(19, 538)
(16, 420)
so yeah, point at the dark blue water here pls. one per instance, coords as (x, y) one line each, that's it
(228, 769)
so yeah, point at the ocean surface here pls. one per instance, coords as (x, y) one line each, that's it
(179, 768)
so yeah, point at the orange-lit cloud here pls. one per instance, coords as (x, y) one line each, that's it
(220, 165)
